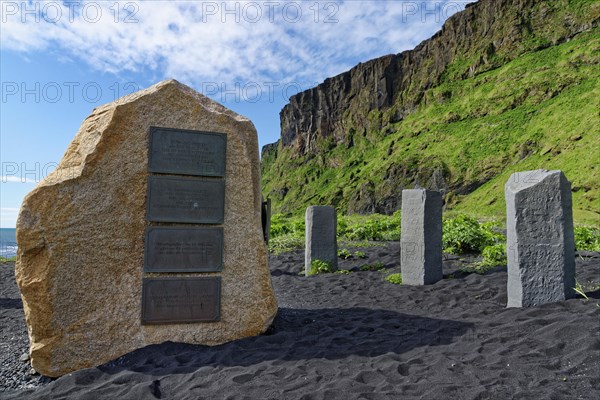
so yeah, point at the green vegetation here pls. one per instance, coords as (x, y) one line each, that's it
(287, 232)
(396, 279)
(464, 234)
(371, 227)
(285, 243)
(343, 272)
(282, 225)
(10, 259)
(494, 255)
(461, 234)
(539, 110)
(344, 253)
(579, 289)
(378, 266)
(587, 238)
(320, 267)
(359, 254)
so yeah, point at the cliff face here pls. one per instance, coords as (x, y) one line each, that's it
(372, 100)
(484, 36)
(320, 111)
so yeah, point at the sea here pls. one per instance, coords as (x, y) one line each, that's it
(8, 242)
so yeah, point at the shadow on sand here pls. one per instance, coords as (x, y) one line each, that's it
(300, 334)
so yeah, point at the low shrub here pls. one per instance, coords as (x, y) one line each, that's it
(359, 254)
(373, 227)
(464, 234)
(343, 272)
(285, 243)
(373, 267)
(283, 225)
(587, 239)
(396, 279)
(344, 254)
(320, 267)
(494, 255)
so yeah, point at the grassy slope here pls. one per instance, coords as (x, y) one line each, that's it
(537, 111)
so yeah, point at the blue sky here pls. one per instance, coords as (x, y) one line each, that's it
(59, 60)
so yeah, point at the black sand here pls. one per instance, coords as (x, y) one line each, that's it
(354, 337)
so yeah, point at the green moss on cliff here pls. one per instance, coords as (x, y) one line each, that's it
(467, 136)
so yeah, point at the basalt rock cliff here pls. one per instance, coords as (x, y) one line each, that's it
(457, 113)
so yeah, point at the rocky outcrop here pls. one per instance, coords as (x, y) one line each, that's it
(269, 150)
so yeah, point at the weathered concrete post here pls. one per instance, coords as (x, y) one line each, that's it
(321, 240)
(540, 241)
(421, 237)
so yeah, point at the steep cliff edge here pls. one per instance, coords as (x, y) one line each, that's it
(355, 140)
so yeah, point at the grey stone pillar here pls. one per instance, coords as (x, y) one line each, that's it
(321, 240)
(540, 244)
(421, 237)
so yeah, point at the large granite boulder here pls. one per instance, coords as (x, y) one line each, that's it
(81, 236)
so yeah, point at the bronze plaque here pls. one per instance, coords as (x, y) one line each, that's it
(180, 300)
(183, 249)
(191, 200)
(184, 152)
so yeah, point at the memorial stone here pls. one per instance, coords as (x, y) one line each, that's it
(540, 239)
(421, 237)
(149, 230)
(321, 239)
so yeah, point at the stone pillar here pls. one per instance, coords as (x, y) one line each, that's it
(421, 237)
(540, 242)
(266, 220)
(321, 240)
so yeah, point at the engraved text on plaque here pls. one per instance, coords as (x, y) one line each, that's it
(184, 152)
(180, 300)
(183, 249)
(188, 200)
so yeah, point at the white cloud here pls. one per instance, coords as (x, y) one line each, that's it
(200, 42)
